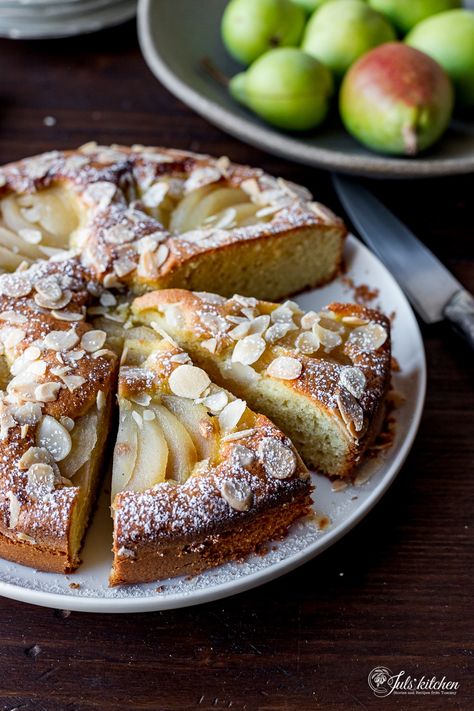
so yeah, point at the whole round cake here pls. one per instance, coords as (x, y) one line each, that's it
(198, 477)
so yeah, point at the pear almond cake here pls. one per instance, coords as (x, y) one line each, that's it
(198, 477)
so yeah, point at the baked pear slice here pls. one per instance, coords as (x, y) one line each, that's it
(198, 478)
(320, 376)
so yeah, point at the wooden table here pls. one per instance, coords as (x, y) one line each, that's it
(397, 591)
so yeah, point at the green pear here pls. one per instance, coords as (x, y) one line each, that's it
(396, 100)
(287, 88)
(449, 39)
(252, 27)
(341, 31)
(405, 14)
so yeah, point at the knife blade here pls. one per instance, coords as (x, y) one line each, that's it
(433, 291)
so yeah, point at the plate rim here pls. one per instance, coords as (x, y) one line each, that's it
(263, 137)
(178, 600)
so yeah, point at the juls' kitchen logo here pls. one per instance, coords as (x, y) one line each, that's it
(384, 683)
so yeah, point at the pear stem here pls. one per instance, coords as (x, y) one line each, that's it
(214, 72)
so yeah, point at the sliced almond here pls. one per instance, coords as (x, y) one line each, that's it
(188, 381)
(368, 338)
(238, 494)
(15, 285)
(14, 509)
(35, 455)
(353, 380)
(216, 401)
(231, 414)
(46, 302)
(54, 437)
(242, 456)
(249, 349)
(351, 412)
(47, 392)
(285, 368)
(93, 340)
(61, 340)
(307, 343)
(41, 479)
(278, 330)
(278, 460)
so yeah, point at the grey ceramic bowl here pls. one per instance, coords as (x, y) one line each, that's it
(175, 35)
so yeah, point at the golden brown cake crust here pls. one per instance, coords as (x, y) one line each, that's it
(160, 532)
(120, 242)
(204, 319)
(35, 518)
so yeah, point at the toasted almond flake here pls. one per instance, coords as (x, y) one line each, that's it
(351, 411)
(210, 344)
(107, 299)
(216, 401)
(161, 255)
(279, 461)
(14, 509)
(27, 414)
(36, 367)
(241, 434)
(34, 455)
(49, 288)
(24, 431)
(45, 302)
(329, 339)
(104, 353)
(12, 336)
(245, 301)
(54, 437)
(307, 343)
(93, 340)
(277, 331)
(30, 235)
(231, 414)
(61, 340)
(188, 381)
(210, 298)
(282, 313)
(174, 315)
(309, 319)
(323, 213)
(238, 494)
(242, 456)
(72, 382)
(119, 234)
(41, 478)
(14, 285)
(249, 349)
(31, 353)
(13, 317)
(338, 485)
(214, 323)
(47, 392)
(124, 266)
(354, 321)
(148, 415)
(68, 315)
(353, 380)
(240, 331)
(75, 355)
(368, 338)
(260, 324)
(25, 538)
(180, 358)
(285, 368)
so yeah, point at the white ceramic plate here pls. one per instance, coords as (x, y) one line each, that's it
(304, 541)
(175, 35)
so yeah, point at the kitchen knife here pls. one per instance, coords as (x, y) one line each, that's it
(433, 291)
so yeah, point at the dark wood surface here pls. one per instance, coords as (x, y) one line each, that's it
(397, 591)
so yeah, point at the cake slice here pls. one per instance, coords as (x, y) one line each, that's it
(198, 478)
(57, 387)
(322, 377)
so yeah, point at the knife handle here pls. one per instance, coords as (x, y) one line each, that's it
(459, 311)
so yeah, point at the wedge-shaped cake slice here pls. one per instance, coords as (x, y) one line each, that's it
(322, 377)
(198, 478)
(57, 387)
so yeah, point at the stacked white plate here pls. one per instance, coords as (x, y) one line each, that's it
(44, 19)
